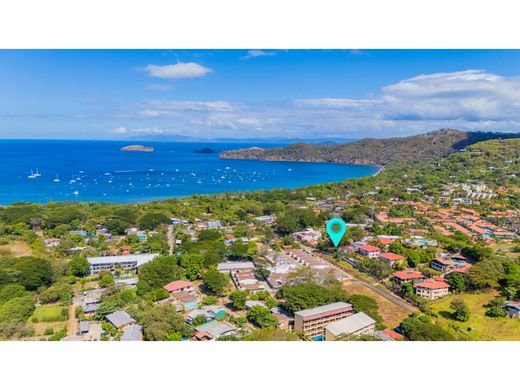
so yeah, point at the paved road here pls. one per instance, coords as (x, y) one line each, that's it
(388, 296)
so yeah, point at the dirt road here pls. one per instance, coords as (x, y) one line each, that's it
(171, 240)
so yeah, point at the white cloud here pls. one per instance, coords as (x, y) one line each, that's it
(467, 100)
(120, 130)
(180, 70)
(172, 108)
(259, 53)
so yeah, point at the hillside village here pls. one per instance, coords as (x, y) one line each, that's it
(425, 253)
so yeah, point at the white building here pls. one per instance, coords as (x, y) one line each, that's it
(127, 262)
(354, 325)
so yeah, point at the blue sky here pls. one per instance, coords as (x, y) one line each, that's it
(118, 94)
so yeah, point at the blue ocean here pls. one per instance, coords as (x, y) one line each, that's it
(49, 170)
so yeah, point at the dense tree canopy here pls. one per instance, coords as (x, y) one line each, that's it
(30, 272)
(161, 271)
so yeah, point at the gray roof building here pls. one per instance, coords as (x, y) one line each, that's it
(120, 318)
(216, 328)
(235, 265)
(84, 326)
(323, 309)
(132, 333)
(354, 324)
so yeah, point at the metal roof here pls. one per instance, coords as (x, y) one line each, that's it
(132, 333)
(216, 328)
(140, 259)
(120, 318)
(323, 309)
(350, 324)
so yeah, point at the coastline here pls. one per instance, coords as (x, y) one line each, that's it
(380, 168)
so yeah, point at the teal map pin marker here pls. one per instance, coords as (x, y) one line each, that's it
(336, 228)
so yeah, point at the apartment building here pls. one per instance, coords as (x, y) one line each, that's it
(432, 289)
(126, 262)
(312, 322)
(355, 325)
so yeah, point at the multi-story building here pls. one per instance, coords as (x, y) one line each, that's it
(370, 251)
(312, 322)
(355, 325)
(126, 262)
(432, 289)
(401, 277)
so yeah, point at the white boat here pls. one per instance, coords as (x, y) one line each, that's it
(75, 193)
(57, 180)
(37, 174)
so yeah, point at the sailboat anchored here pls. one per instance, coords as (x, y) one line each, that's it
(57, 179)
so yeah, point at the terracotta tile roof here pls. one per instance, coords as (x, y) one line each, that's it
(369, 248)
(177, 285)
(432, 284)
(392, 334)
(390, 256)
(404, 275)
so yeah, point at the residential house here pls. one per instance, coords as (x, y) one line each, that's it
(401, 277)
(213, 330)
(252, 303)
(369, 251)
(132, 333)
(120, 318)
(51, 242)
(309, 235)
(432, 288)
(188, 300)
(178, 286)
(391, 258)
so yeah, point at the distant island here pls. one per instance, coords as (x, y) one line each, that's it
(204, 150)
(137, 148)
(370, 151)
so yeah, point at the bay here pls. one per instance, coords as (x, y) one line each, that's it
(100, 171)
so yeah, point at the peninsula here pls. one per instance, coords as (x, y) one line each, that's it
(370, 151)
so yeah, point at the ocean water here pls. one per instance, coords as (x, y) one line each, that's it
(99, 171)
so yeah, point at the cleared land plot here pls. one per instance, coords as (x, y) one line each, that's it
(16, 249)
(479, 326)
(48, 313)
(391, 313)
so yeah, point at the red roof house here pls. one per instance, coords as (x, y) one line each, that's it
(178, 286)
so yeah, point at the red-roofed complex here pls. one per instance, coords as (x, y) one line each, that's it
(432, 288)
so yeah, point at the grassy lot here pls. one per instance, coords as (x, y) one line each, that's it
(391, 313)
(16, 248)
(48, 313)
(507, 250)
(479, 326)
